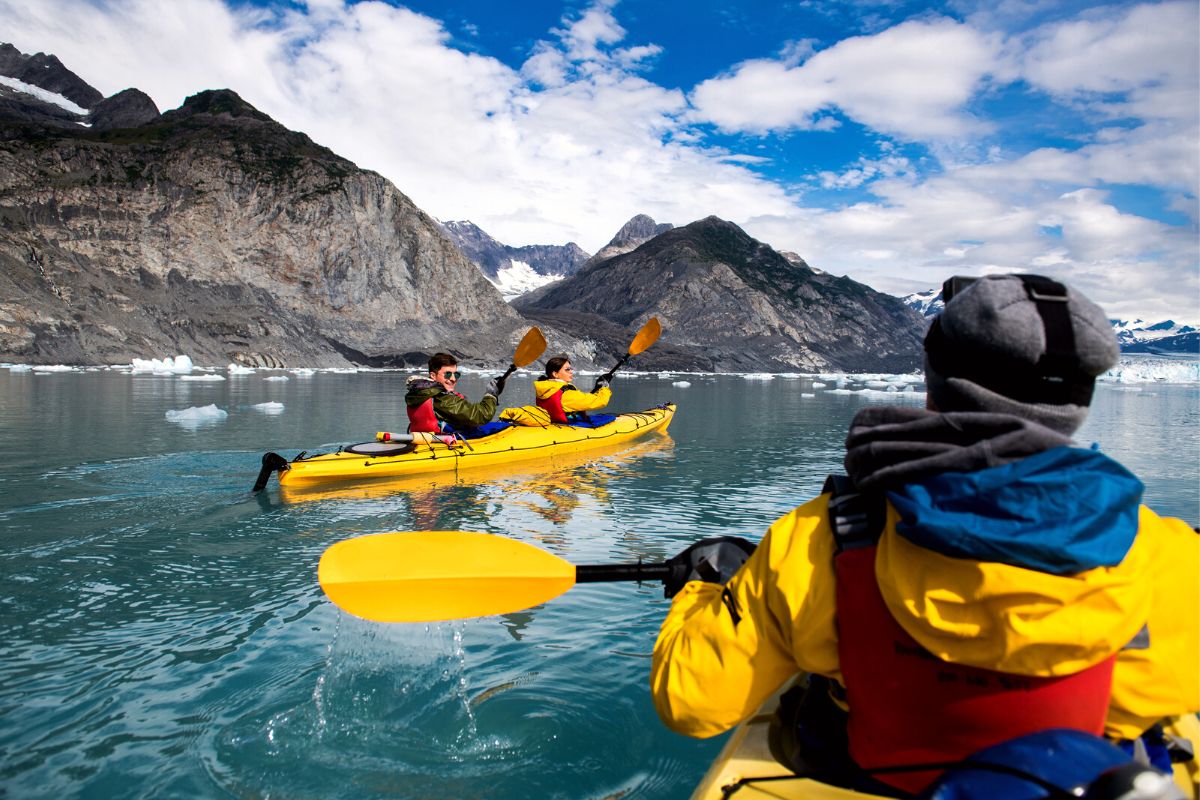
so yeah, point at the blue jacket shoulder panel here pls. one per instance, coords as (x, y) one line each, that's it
(1061, 511)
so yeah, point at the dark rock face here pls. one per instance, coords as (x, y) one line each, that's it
(491, 256)
(128, 109)
(734, 303)
(638, 230)
(216, 232)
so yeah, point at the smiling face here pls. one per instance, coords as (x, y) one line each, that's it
(446, 377)
(566, 373)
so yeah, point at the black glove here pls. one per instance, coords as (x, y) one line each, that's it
(495, 387)
(601, 382)
(713, 560)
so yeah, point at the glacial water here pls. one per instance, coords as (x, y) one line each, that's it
(165, 635)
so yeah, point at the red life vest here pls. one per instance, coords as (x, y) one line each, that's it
(908, 707)
(553, 404)
(423, 419)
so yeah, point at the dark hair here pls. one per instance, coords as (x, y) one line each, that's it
(553, 365)
(439, 360)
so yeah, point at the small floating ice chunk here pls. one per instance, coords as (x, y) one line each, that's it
(807, 394)
(819, 385)
(19, 368)
(163, 365)
(202, 378)
(238, 369)
(304, 371)
(759, 376)
(269, 407)
(276, 378)
(43, 369)
(196, 416)
(682, 384)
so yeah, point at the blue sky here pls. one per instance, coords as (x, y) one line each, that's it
(896, 142)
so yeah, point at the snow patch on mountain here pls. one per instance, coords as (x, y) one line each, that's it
(43, 95)
(928, 304)
(518, 278)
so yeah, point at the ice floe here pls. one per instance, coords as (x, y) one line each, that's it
(168, 366)
(238, 369)
(196, 416)
(681, 384)
(1154, 370)
(276, 378)
(269, 408)
(203, 378)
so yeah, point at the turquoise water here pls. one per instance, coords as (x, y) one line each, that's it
(166, 636)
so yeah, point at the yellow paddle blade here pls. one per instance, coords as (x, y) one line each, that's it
(428, 576)
(532, 345)
(647, 336)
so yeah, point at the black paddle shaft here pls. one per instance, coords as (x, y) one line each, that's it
(603, 573)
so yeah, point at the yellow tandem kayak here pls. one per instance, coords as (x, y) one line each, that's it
(373, 460)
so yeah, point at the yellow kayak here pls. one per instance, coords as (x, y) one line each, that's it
(745, 769)
(428, 454)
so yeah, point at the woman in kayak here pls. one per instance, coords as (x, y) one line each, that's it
(995, 580)
(558, 396)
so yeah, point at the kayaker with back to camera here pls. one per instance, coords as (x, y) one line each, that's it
(556, 393)
(1012, 583)
(433, 403)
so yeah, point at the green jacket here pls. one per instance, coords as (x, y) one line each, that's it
(450, 407)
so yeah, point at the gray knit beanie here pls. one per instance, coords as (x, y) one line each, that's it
(1022, 345)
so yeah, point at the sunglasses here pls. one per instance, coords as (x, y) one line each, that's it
(449, 376)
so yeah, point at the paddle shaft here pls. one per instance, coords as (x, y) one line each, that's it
(603, 573)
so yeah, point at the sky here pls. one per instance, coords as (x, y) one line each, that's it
(896, 142)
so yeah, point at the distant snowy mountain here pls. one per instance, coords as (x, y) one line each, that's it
(514, 270)
(928, 304)
(1134, 336)
(1168, 336)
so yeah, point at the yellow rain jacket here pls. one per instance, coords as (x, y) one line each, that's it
(572, 399)
(709, 674)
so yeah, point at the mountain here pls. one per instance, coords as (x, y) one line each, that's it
(729, 302)
(1168, 336)
(515, 270)
(1134, 336)
(928, 303)
(214, 231)
(639, 230)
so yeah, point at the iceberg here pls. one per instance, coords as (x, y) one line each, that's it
(196, 416)
(178, 364)
(269, 407)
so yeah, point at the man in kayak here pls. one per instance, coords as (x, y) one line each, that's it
(433, 403)
(556, 393)
(1011, 582)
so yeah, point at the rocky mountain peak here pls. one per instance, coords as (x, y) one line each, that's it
(130, 108)
(734, 303)
(637, 230)
(217, 103)
(634, 233)
(47, 72)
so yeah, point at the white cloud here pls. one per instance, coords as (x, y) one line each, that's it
(1147, 52)
(911, 81)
